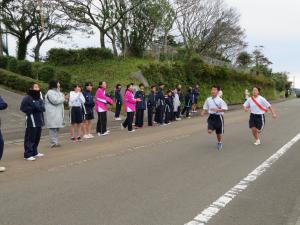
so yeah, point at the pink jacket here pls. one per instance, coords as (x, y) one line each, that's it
(102, 100)
(129, 101)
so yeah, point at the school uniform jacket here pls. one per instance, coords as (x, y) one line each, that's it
(169, 104)
(189, 99)
(102, 100)
(129, 101)
(151, 102)
(160, 98)
(118, 96)
(142, 103)
(89, 100)
(3, 105)
(34, 111)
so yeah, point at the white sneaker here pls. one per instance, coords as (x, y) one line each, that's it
(86, 136)
(108, 131)
(30, 159)
(118, 119)
(131, 131)
(91, 136)
(40, 155)
(189, 117)
(2, 169)
(104, 134)
(257, 142)
(178, 119)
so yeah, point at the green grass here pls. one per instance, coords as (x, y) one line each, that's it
(113, 71)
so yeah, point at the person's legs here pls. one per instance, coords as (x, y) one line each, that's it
(130, 120)
(79, 129)
(29, 142)
(150, 116)
(161, 115)
(183, 110)
(72, 130)
(187, 112)
(99, 123)
(37, 138)
(85, 127)
(142, 118)
(137, 118)
(104, 122)
(1, 145)
(53, 136)
(89, 126)
(255, 133)
(118, 110)
(126, 121)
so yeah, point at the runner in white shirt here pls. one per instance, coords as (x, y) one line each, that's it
(258, 106)
(216, 107)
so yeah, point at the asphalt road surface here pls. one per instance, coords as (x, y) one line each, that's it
(158, 176)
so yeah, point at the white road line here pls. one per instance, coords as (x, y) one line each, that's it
(207, 214)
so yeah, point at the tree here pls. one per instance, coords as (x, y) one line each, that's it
(244, 59)
(94, 13)
(50, 23)
(262, 63)
(19, 18)
(209, 27)
(137, 29)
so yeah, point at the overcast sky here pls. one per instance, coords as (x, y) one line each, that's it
(271, 23)
(276, 25)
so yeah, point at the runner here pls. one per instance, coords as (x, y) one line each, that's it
(216, 107)
(258, 106)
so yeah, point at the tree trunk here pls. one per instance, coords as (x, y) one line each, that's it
(1, 42)
(102, 39)
(113, 42)
(22, 48)
(37, 52)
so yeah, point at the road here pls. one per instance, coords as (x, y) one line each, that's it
(157, 176)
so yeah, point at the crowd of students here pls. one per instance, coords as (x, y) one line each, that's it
(163, 107)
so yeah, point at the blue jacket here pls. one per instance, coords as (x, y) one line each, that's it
(189, 99)
(34, 110)
(169, 104)
(160, 98)
(3, 105)
(151, 102)
(196, 94)
(89, 100)
(141, 104)
(118, 96)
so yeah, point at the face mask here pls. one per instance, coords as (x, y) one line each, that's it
(36, 95)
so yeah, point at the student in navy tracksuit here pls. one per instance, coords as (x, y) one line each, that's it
(33, 107)
(169, 107)
(119, 101)
(196, 93)
(89, 110)
(188, 102)
(140, 106)
(3, 105)
(151, 102)
(160, 105)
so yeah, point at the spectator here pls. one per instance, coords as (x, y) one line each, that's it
(188, 103)
(89, 111)
(54, 104)
(119, 101)
(196, 93)
(140, 106)
(160, 104)
(151, 103)
(101, 108)
(33, 107)
(169, 108)
(3, 105)
(176, 104)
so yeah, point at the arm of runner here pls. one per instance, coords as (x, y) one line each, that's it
(274, 115)
(247, 105)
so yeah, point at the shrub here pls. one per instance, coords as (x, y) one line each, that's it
(12, 65)
(64, 79)
(24, 68)
(60, 56)
(4, 61)
(46, 74)
(36, 67)
(17, 82)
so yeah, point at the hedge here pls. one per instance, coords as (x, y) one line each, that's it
(17, 82)
(61, 56)
(196, 72)
(24, 68)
